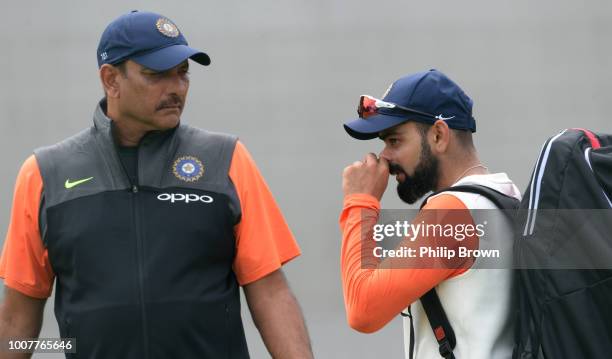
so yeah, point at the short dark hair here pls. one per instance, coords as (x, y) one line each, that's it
(464, 137)
(423, 128)
(122, 67)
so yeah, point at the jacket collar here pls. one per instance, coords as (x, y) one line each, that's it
(103, 125)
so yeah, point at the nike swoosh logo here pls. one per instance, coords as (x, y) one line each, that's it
(440, 117)
(69, 184)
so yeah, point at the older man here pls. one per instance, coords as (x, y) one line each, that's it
(148, 225)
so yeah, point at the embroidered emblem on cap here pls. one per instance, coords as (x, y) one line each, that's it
(188, 168)
(166, 27)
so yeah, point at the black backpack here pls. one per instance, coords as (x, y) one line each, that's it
(564, 251)
(561, 313)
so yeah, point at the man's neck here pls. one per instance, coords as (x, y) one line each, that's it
(126, 134)
(127, 131)
(454, 172)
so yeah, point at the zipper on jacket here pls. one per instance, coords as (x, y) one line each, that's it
(134, 189)
(140, 260)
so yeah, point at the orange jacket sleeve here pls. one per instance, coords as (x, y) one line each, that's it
(25, 263)
(374, 291)
(264, 241)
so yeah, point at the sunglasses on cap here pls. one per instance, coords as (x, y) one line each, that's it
(370, 106)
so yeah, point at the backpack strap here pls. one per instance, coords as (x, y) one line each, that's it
(443, 331)
(500, 200)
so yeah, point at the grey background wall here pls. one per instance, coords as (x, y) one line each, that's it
(286, 74)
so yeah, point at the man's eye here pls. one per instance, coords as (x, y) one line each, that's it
(393, 141)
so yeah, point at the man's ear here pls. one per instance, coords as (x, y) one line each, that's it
(439, 137)
(109, 76)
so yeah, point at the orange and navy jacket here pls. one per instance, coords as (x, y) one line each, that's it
(149, 269)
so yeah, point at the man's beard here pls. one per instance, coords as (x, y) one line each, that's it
(424, 179)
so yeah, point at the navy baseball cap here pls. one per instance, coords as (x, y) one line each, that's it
(150, 39)
(431, 94)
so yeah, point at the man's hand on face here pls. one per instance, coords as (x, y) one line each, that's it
(369, 176)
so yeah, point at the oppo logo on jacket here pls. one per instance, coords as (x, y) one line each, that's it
(185, 198)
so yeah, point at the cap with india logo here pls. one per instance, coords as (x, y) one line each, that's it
(425, 97)
(151, 40)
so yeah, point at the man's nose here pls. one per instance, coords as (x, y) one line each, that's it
(385, 154)
(177, 83)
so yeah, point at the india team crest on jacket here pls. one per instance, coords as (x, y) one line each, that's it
(188, 168)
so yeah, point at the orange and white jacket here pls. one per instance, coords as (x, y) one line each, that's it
(476, 301)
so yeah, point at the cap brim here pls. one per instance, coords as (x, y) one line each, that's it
(362, 129)
(169, 57)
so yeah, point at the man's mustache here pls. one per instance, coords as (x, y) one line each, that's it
(395, 169)
(173, 101)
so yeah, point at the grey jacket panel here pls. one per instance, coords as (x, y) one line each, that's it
(213, 150)
(76, 158)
